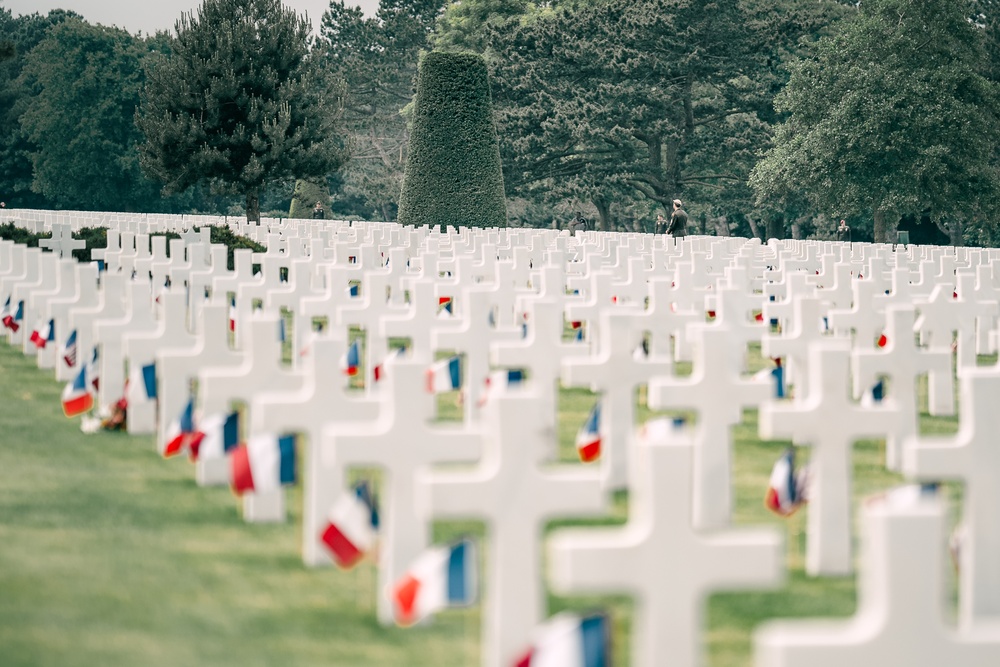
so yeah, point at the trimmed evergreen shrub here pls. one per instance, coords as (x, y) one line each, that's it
(11, 232)
(453, 174)
(305, 196)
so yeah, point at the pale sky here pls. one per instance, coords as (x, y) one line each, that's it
(149, 16)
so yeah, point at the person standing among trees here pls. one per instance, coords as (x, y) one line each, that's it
(579, 222)
(661, 224)
(318, 212)
(844, 232)
(678, 221)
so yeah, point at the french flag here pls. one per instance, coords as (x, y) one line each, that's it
(498, 380)
(352, 291)
(380, 368)
(69, 350)
(588, 438)
(263, 464)
(352, 526)
(76, 396)
(7, 317)
(94, 370)
(783, 493)
(143, 379)
(181, 432)
(216, 436)
(445, 306)
(778, 375)
(567, 640)
(44, 334)
(444, 375)
(232, 314)
(351, 361)
(442, 577)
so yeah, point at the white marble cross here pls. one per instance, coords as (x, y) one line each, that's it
(829, 422)
(511, 492)
(973, 456)
(901, 592)
(903, 362)
(401, 441)
(659, 559)
(616, 370)
(717, 391)
(62, 241)
(322, 400)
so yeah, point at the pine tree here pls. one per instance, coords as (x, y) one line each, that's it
(239, 102)
(453, 174)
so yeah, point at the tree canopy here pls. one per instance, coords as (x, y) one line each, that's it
(892, 115)
(239, 102)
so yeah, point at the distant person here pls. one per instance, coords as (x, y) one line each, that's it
(318, 212)
(844, 232)
(678, 221)
(579, 222)
(661, 224)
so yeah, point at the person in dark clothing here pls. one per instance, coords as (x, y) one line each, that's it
(579, 222)
(844, 232)
(318, 212)
(678, 221)
(661, 224)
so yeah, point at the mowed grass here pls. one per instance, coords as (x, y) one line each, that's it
(111, 556)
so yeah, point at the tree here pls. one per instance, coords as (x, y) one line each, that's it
(651, 100)
(463, 25)
(80, 122)
(453, 174)
(377, 57)
(240, 102)
(890, 116)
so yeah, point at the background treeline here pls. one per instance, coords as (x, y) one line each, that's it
(768, 118)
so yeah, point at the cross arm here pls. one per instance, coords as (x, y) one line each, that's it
(580, 560)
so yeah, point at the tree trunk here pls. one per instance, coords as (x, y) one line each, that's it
(754, 227)
(880, 232)
(721, 225)
(253, 206)
(604, 211)
(775, 227)
(954, 229)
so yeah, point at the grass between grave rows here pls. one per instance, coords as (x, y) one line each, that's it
(111, 556)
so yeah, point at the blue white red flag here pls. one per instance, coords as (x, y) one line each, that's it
(142, 379)
(264, 463)
(181, 432)
(441, 577)
(446, 307)
(588, 438)
(7, 317)
(785, 491)
(568, 640)
(444, 375)
(215, 436)
(232, 314)
(500, 380)
(69, 350)
(380, 368)
(351, 361)
(76, 396)
(777, 374)
(93, 370)
(44, 334)
(352, 526)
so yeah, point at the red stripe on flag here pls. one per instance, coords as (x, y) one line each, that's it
(345, 554)
(242, 477)
(77, 406)
(175, 446)
(526, 660)
(194, 444)
(590, 452)
(882, 340)
(405, 597)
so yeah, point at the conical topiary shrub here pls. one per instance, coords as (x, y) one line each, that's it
(305, 196)
(453, 174)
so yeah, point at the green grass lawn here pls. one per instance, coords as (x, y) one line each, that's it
(111, 556)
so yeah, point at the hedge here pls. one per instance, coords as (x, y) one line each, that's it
(453, 174)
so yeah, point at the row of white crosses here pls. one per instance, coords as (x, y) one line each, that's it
(513, 436)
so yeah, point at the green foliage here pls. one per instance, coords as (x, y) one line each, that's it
(307, 194)
(453, 174)
(239, 102)
(233, 241)
(81, 118)
(10, 232)
(95, 238)
(463, 25)
(377, 57)
(629, 108)
(892, 115)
